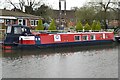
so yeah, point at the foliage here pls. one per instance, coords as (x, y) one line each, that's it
(40, 25)
(94, 25)
(104, 7)
(44, 11)
(79, 26)
(85, 14)
(98, 26)
(52, 25)
(3, 26)
(87, 27)
(28, 4)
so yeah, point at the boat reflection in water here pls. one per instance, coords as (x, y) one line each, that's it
(99, 61)
(59, 50)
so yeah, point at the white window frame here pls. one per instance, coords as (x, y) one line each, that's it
(94, 37)
(36, 22)
(104, 36)
(2, 20)
(6, 22)
(87, 37)
(26, 22)
(31, 22)
(21, 21)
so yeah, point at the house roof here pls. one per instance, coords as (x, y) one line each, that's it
(16, 14)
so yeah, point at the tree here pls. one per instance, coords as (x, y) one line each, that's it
(105, 6)
(44, 11)
(85, 14)
(40, 25)
(87, 27)
(28, 4)
(79, 26)
(94, 25)
(98, 26)
(52, 25)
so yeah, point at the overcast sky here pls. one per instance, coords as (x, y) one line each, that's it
(53, 3)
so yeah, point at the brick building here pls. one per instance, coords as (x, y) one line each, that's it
(16, 17)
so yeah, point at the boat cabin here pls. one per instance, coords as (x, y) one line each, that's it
(13, 32)
(19, 35)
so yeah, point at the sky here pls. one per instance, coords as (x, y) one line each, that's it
(53, 3)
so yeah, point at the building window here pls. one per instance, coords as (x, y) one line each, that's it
(85, 37)
(101, 36)
(63, 20)
(32, 22)
(36, 22)
(77, 38)
(7, 22)
(14, 21)
(92, 37)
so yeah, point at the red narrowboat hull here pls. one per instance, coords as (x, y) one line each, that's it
(62, 39)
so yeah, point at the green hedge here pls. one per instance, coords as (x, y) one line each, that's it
(40, 25)
(52, 25)
(87, 27)
(79, 26)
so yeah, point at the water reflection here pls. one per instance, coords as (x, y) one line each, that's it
(58, 50)
(100, 61)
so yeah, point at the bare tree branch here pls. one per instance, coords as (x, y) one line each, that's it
(107, 4)
(35, 4)
(28, 2)
(12, 3)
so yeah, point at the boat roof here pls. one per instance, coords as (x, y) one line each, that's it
(84, 33)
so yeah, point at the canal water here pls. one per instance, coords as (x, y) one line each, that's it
(100, 61)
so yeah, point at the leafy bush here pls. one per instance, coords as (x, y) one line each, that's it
(87, 27)
(94, 25)
(79, 26)
(98, 26)
(52, 25)
(40, 25)
(3, 26)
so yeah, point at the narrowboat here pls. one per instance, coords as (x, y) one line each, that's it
(18, 36)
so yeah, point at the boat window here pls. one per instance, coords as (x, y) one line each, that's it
(17, 30)
(92, 37)
(9, 28)
(77, 38)
(85, 37)
(107, 36)
(23, 29)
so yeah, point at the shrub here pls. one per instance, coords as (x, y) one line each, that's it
(3, 26)
(87, 27)
(94, 25)
(98, 26)
(40, 25)
(79, 26)
(52, 25)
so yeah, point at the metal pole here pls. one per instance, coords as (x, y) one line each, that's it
(60, 11)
